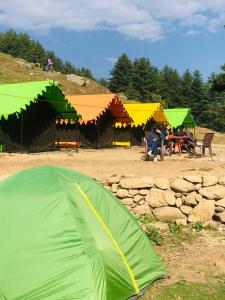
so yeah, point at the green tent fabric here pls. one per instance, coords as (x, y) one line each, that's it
(17, 96)
(180, 117)
(64, 236)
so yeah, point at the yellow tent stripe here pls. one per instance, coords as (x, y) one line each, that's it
(107, 230)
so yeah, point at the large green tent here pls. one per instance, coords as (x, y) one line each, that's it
(64, 236)
(180, 117)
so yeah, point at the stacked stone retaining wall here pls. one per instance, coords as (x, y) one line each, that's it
(189, 199)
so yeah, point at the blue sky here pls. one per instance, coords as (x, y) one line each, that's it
(90, 33)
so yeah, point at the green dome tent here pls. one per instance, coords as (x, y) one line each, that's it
(64, 236)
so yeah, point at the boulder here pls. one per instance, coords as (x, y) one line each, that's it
(138, 198)
(163, 227)
(142, 202)
(182, 222)
(114, 179)
(122, 193)
(143, 192)
(220, 203)
(115, 187)
(179, 202)
(133, 192)
(198, 198)
(156, 198)
(136, 183)
(133, 205)
(221, 217)
(198, 186)
(168, 214)
(178, 195)
(190, 199)
(127, 201)
(142, 210)
(162, 183)
(209, 180)
(182, 186)
(186, 209)
(169, 197)
(193, 179)
(215, 192)
(219, 209)
(202, 212)
(222, 181)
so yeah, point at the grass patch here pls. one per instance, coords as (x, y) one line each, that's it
(183, 290)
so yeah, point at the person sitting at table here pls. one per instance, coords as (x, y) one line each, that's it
(189, 142)
(154, 140)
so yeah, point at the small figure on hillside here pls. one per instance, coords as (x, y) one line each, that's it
(49, 66)
(36, 62)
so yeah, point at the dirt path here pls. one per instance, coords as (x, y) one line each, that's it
(100, 163)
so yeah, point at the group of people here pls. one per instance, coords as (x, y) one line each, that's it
(159, 137)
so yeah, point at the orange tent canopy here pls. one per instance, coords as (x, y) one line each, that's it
(92, 107)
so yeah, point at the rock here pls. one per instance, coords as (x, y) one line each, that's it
(143, 192)
(168, 214)
(133, 192)
(222, 181)
(142, 202)
(193, 179)
(138, 198)
(136, 183)
(155, 198)
(182, 186)
(221, 217)
(169, 197)
(114, 179)
(198, 198)
(142, 210)
(209, 180)
(202, 212)
(212, 224)
(219, 209)
(179, 202)
(133, 205)
(190, 199)
(163, 227)
(115, 187)
(127, 201)
(178, 195)
(162, 183)
(122, 193)
(186, 209)
(220, 203)
(182, 222)
(215, 192)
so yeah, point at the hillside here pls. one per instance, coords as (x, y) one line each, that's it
(13, 70)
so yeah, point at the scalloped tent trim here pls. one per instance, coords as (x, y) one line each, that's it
(16, 97)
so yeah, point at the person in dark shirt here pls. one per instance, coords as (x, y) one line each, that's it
(154, 139)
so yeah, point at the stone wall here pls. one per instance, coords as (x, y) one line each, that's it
(189, 199)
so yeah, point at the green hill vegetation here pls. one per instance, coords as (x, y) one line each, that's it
(13, 70)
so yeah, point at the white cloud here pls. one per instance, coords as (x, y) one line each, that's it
(140, 19)
(111, 60)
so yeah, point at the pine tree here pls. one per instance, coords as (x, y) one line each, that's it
(121, 75)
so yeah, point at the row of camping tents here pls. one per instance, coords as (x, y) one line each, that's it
(37, 116)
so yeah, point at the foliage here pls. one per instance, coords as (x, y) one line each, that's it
(22, 46)
(197, 226)
(154, 234)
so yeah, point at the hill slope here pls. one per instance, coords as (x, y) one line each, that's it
(13, 70)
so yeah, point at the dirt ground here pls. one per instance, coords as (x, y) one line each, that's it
(104, 162)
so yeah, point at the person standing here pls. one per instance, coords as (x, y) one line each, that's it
(49, 66)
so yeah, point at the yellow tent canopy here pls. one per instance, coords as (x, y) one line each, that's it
(141, 113)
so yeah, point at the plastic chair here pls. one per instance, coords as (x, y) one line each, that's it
(205, 143)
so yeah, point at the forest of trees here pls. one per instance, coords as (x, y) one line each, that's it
(140, 80)
(22, 46)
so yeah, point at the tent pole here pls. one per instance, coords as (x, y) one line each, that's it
(21, 133)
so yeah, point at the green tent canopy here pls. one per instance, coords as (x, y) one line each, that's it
(18, 96)
(64, 236)
(180, 117)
